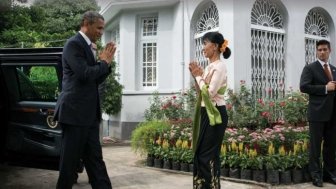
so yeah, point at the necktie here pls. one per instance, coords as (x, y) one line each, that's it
(93, 49)
(327, 72)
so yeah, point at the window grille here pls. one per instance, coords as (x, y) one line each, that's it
(148, 38)
(316, 28)
(149, 26)
(267, 53)
(208, 21)
(149, 65)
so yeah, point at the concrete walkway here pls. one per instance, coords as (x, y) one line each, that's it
(126, 170)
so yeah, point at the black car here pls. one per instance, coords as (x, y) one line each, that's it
(30, 81)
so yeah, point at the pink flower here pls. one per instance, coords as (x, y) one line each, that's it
(265, 114)
(282, 104)
(229, 106)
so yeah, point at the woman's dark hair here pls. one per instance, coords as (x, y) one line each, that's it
(216, 37)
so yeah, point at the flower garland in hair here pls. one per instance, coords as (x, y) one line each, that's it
(224, 45)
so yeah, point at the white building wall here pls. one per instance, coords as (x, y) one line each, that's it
(240, 68)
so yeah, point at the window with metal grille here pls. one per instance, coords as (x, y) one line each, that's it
(208, 21)
(148, 39)
(316, 28)
(267, 51)
(149, 26)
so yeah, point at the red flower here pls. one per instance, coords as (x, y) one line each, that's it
(229, 106)
(282, 104)
(260, 101)
(265, 114)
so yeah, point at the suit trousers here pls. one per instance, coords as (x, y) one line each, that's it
(82, 142)
(319, 131)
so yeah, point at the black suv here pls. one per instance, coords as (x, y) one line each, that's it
(29, 85)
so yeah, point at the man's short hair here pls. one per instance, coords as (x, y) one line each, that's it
(323, 42)
(91, 17)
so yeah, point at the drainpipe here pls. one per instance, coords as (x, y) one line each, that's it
(182, 62)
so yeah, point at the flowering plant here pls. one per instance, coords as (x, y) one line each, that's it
(300, 154)
(271, 159)
(175, 107)
(285, 159)
(246, 111)
(294, 107)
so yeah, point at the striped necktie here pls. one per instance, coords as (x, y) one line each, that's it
(327, 72)
(94, 49)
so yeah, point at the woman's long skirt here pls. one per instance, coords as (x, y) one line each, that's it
(206, 159)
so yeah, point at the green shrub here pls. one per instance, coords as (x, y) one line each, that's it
(111, 92)
(145, 135)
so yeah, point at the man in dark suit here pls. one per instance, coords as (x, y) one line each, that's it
(317, 80)
(77, 109)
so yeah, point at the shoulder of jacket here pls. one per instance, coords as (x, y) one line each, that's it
(313, 64)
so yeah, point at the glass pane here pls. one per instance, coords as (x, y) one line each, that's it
(149, 74)
(149, 54)
(149, 26)
(144, 75)
(37, 83)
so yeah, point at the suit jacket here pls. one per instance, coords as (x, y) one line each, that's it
(313, 82)
(78, 103)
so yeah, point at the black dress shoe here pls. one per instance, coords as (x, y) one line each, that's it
(317, 182)
(329, 177)
(331, 180)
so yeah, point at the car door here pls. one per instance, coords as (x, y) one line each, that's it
(32, 83)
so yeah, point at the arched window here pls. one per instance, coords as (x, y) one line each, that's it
(208, 21)
(316, 28)
(267, 53)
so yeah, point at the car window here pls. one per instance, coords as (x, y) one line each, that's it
(34, 83)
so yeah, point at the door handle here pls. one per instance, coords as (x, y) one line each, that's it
(43, 112)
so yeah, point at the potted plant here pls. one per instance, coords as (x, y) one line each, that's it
(158, 156)
(166, 154)
(271, 164)
(257, 165)
(245, 166)
(224, 161)
(234, 161)
(300, 161)
(285, 165)
(176, 157)
(186, 156)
